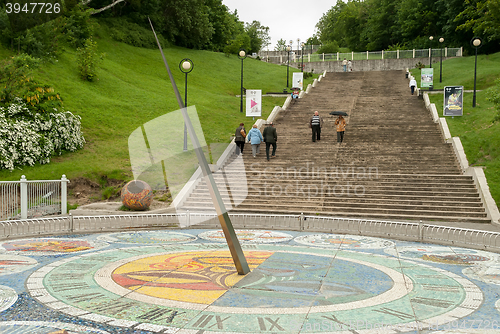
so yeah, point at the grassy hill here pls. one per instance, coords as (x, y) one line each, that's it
(479, 136)
(134, 88)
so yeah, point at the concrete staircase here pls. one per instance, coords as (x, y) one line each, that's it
(393, 164)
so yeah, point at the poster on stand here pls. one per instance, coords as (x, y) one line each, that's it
(453, 101)
(298, 80)
(426, 79)
(254, 103)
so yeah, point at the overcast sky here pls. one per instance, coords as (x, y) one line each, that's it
(286, 20)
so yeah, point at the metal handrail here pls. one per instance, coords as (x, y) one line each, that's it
(410, 231)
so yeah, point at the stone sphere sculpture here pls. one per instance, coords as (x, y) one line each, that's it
(137, 195)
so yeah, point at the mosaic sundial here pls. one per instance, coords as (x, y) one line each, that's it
(293, 287)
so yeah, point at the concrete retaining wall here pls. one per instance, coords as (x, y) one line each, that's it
(369, 65)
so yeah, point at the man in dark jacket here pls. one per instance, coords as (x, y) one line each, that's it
(270, 137)
(315, 123)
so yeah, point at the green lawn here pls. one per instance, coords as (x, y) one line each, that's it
(460, 72)
(134, 88)
(479, 136)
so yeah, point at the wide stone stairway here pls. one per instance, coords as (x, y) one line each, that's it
(393, 164)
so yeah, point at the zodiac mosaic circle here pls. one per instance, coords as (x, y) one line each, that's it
(194, 287)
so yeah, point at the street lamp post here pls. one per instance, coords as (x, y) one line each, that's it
(242, 54)
(475, 42)
(288, 48)
(430, 52)
(441, 40)
(186, 66)
(302, 54)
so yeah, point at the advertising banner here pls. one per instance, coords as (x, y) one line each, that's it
(298, 80)
(426, 79)
(254, 103)
(453, 101)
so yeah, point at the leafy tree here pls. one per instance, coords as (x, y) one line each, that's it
(280, 45)
(417, 20)
(482, 18)
(327, 25)
(102, 6)
(242, 41)
(313, 40)
(225, 24)
(259, 36)
(351, 22)
(380, 24)
(448, 22)
(187, 23)
(330, 47)
(344, 23)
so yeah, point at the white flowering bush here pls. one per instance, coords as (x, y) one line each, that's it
(27, 137)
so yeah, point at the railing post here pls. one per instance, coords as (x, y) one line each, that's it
(24, 197)
(397, 54)
(413, 53)
(301, 219)
(446, 52)
(71, 223)
(323, 56)
(367, 55)
(420, 232)
(382, 54)
(352, 55)
(338, 56)
(64, 195)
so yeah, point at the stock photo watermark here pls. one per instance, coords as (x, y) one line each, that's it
(310, 182)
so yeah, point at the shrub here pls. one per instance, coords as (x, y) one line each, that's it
(494, 96)
(419, 65)
(27, 137)
(330, 47)
(88, 60)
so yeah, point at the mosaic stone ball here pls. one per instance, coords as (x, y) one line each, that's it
(137, 195)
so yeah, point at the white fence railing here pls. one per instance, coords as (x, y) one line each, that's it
(367, 55)
(25, 199)
(411, 231)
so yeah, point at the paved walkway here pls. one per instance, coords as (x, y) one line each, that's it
(184, 281)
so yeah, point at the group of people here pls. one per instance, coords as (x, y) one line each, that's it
(270, 136)
(347, 65)
(316, 123)
(255, 138)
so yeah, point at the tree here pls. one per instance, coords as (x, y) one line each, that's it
(187, 23)
(380, 24)
(242, 41)
(351, 22)
(327, 25)
(280, 45)
(259, 36)
(224, 23)
(417, 20)
(482, 18)
(98, 10)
